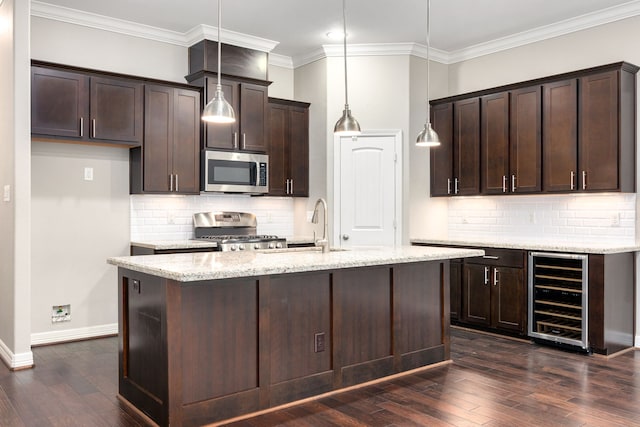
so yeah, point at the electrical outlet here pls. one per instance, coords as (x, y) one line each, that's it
(88, 174)
(319, 342)
(7, 193)
(615, 219)
(61, 313)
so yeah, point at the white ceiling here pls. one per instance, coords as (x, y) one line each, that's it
(299, 26)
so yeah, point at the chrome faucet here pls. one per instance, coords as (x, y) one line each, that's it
(324, 242)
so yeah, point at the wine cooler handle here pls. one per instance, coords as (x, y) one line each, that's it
(496, 276)
(486, 275)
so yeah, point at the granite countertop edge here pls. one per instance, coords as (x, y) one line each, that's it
(192, 267)
(586, 248)
(175, 244)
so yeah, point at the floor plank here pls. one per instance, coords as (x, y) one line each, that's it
(492, 382)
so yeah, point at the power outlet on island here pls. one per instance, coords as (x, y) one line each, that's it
(319, 342)
(61, 313)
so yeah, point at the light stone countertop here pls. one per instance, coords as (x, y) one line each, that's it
(176, 244)
(583, 248)
(189, 267)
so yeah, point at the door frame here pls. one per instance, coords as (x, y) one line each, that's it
(396, 134)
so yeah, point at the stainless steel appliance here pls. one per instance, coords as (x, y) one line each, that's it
(235, 172)
(234, 231)
(558, 300)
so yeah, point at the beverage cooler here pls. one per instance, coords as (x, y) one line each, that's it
(558, 300)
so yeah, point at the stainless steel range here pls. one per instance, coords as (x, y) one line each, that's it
(234, 231)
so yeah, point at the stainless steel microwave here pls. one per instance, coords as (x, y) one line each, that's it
(235, 172)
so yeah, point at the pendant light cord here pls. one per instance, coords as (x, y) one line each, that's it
(428, 62)
(344, 33)
(219, 86)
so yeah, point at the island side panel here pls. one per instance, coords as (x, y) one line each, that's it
(419, 311)
(300, 336)
(142, 340)
(220, 377)
(362, 325)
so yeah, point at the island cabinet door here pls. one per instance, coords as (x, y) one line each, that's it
(218, 348)
(362, 325)
(419, 302)
(299, 336)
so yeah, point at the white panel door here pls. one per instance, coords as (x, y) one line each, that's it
(368, 191)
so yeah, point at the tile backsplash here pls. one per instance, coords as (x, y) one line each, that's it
(582, 218)
(169, 217)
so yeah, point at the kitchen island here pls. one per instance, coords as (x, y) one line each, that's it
(210, 336)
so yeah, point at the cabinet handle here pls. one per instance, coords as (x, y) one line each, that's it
(287, 184)
(235, 140)
(513, 183)
(584, 180)
(81, 127)
(177, 183)
(486, 275)
(490, 257)
(171, 182)
(573, 176)
(496, 276)
(448, 185)
(455, 186)
(244, 141)
(504, 183)
(93, 127)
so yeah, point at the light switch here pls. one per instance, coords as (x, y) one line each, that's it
(7, 193)
(88, 174)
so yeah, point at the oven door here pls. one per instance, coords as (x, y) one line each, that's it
(231, 172)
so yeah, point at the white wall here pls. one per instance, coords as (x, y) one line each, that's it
(15, 115)
(282, 86)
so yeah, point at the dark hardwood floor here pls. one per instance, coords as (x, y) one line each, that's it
(491, 382)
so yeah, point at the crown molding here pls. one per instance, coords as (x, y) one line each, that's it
(583, 22)
(200, 32)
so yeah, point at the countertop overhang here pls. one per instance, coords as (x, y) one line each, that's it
(191, 267)
(582, 248)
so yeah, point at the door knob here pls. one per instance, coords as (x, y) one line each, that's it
(345, 237)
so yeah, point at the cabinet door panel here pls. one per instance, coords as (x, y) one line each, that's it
(278, 154)
(442, 156)
(466, 153)
(508, 299)
(186, 141)
(223, 135)
(59, 103)
(253, 125)
(455, 282)
(116, 110)
(299, 151)
(599, 140)
(526, 140)
(494, 143)
(477, 294)
(157, 141)
(560, 142)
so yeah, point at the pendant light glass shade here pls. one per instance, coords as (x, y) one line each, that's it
(428, 137)
(218, 110)
(347, 125)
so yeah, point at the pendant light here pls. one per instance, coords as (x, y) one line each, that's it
(218, 110)
(428, 137)
(347, 125)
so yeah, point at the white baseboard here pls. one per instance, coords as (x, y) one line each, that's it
(15, 361)
(53, 337)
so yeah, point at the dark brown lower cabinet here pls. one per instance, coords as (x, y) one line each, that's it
(199, 352)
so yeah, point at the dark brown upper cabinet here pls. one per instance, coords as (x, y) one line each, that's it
(249, 131)
(510, 142)
(67, 104)
(466, 147)
(564, 133)
(288, 148)
(169, 159)
(441, 170)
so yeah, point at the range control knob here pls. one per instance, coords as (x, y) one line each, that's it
(256, 246)
(279, 245)
(233, 247)
(241, 246)
(272, 245)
